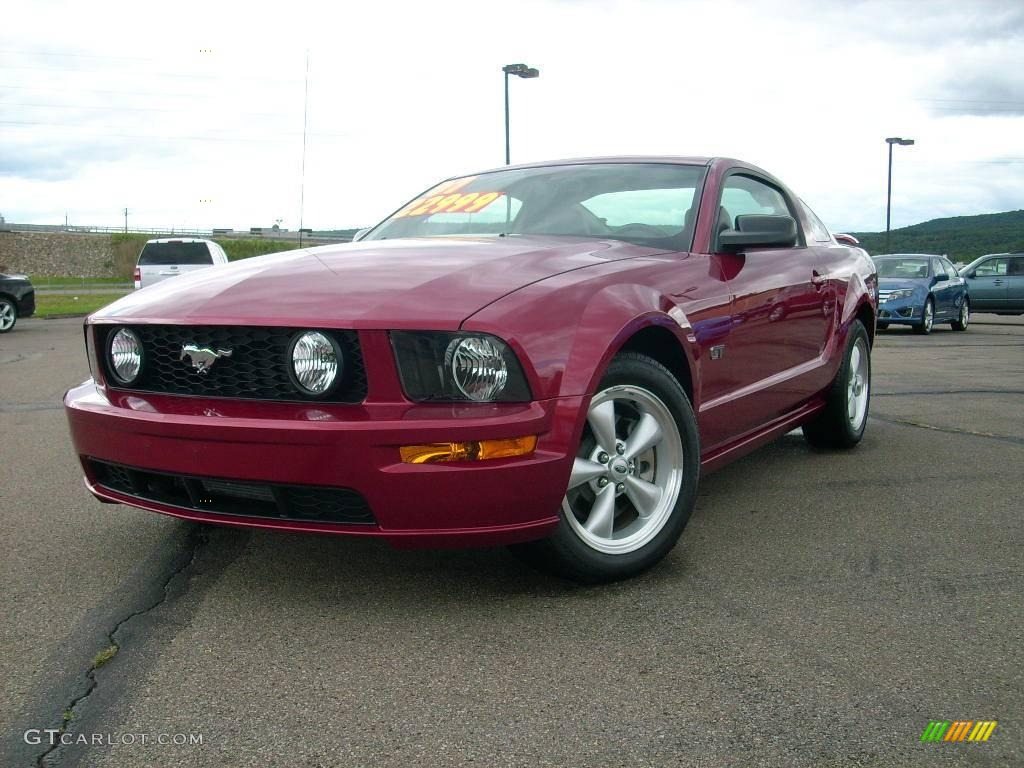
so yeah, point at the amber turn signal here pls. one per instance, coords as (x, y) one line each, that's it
(474, 450)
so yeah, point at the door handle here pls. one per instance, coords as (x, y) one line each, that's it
(997, 281)
(818, 280)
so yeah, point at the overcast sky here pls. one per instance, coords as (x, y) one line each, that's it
(192, 115)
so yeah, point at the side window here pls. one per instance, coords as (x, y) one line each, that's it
(819, 232)
(992, 268)
(1016, 266)
(950, 269)
(939, 270)
(742, 195)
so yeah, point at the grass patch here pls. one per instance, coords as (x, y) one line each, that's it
(104, 656)
(238, 248)
(58, 281)
(68, 304)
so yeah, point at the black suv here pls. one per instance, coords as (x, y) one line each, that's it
(17, 299)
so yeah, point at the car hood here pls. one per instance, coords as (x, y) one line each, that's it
(895, 283)
(432, 283)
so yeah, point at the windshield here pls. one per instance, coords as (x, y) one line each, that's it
(902, 267)
(175, 253)
(648, 204)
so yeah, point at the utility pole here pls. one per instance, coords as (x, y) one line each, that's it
(305, 123)
(126, 221)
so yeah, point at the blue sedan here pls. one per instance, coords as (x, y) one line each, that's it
(919, 290)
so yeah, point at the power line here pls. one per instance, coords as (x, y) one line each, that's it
(159, 94)
(109, 108)
(232, 137)
(180, 75)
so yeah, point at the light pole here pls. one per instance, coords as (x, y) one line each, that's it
(519, 70)
(888, 198)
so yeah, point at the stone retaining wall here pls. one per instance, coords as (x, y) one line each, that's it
(68, 254)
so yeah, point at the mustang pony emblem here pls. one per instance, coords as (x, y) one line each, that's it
(202, 357)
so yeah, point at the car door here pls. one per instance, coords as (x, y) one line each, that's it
(778, 324)
(957, 287)
(987, 284)
(1015, 284)
(943, 289)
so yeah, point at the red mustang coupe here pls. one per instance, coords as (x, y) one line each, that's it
(544, 355)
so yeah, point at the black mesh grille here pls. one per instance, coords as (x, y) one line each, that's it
(236, 497)
(258, 367)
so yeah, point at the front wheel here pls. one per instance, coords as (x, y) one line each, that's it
(841, 424)
(927, 318)
(8, 314)
(634, 478)
(960, 324)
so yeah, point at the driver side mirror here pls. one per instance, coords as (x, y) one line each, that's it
(758, 231)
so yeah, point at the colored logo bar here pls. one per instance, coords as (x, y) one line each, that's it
(958, 730)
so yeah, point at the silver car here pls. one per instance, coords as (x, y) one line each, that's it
(996, 283)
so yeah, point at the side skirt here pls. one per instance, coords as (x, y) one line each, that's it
(753, 440)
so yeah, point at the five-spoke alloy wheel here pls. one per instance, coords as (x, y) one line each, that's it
(927, 317)
(634, 478)
(841, 423)
(8, 314)
(964, 318)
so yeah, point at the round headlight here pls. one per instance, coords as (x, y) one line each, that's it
(477, 367)
(125, 356)
(316, 362)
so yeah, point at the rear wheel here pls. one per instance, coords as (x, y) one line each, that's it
(8, 314)
(841, 424)
(960, 324)
(927, 318)
(634, 479)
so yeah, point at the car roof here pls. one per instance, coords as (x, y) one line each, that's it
(609, 160)
(904, 255)
(179, 240)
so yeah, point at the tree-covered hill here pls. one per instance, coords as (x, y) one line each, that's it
(962, 238)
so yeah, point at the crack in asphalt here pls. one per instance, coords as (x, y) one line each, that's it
(950, 392)
(950, 430)
(197, 540)
(29, 407)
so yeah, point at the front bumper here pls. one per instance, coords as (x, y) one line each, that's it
(908, 311)
(27, 304)
(345, 447)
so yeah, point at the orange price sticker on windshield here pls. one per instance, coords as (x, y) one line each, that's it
(456, 202)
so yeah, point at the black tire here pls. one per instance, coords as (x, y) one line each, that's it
(8, 314)
(961, 323)
(927, 318)
(882, 326)
(566, 553)
(832, 427)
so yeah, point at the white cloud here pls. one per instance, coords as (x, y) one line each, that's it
(132, 113)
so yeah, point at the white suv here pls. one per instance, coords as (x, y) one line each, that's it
(170, 257)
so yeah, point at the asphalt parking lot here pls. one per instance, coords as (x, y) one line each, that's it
(820, 609)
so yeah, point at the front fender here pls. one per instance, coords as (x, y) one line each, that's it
(566, 330)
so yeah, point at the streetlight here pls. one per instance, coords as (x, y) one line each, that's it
(519, 70)
(888, 198)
